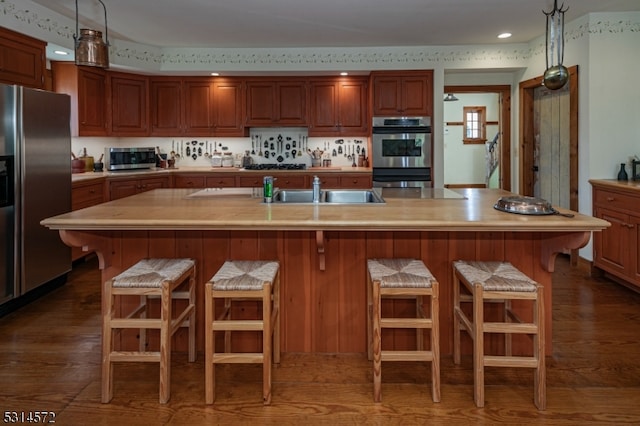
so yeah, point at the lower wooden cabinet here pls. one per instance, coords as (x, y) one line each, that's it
(85, 194)
(615, 249)
(124, 188)
(280, 180)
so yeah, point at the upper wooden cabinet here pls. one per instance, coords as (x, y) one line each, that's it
(88, 88)
(196, 107)
(22, 59)
(282, 102)
(402, 93)
(165, 100)
(129, 104)
(338, 107)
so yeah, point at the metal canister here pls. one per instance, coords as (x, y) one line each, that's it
(267, 188)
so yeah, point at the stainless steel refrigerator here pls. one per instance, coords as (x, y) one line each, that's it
(35, 183)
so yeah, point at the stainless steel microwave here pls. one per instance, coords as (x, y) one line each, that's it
(129, 158)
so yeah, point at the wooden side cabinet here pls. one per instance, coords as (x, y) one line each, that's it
(22, 59)
(615, 249)
(406, 93)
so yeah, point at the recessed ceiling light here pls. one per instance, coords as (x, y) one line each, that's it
(344, 73)
(215, 74)
(504, 35)
(60, 52)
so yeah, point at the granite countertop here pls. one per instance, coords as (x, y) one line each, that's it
(76, 177)
(242, 208)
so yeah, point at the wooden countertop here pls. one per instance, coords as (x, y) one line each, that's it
(77, 177)
(240, 208)
(625, 185)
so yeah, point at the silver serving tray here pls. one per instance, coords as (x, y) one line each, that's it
(521, 204)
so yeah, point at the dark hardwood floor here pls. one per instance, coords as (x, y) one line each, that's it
(50, 361)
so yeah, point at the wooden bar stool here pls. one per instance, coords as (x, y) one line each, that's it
(148, 278)
(236, 281)
(402, 278)
(498, 282)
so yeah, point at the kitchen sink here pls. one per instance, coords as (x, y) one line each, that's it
(331, 196)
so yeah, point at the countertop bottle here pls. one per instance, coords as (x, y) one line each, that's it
(622, 174)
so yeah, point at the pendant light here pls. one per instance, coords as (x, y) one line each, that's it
(90, 49)
(556, 75)
(450, 98)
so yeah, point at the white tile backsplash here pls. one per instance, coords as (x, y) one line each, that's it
(95, 146)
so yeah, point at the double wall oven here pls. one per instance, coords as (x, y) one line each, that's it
(401, 148)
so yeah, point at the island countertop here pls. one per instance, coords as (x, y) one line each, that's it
(242, 208)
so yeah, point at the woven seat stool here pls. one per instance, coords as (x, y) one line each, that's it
(499, 282)
(402, 278)
(237, 281)
(149, 278)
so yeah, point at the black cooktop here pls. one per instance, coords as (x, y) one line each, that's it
(275, 166)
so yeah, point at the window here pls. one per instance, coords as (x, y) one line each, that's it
(475, 124)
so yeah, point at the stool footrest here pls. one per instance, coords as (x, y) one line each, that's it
(238, 358)
(238, 325)
(510, 361)
(507, 327)
(136, 323)
(406, 323)
(407, 356)
(124, 356)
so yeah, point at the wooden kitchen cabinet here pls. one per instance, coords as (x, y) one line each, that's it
(213, 107)
(88, 88)
(615, 249)
(124, 188)
(165, 111)
(129, 104)
(408, 93)
(338, 107)
(281, 102)
(189, 181)
(22, 59)
(85, 193)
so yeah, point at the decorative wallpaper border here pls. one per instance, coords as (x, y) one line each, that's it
(61, 29)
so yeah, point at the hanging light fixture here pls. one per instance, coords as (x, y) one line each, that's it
(556, 75)
(450, 98)
(90, 50)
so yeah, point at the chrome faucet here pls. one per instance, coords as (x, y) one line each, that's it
(316, 189)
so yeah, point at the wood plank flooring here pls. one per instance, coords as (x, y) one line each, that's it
(50, 361)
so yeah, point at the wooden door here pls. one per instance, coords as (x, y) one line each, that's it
(552, 159)
(22, 59)
(386, 95)
(416, 96)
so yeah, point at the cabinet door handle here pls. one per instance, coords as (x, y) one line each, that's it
(630, 225)
(611, 199)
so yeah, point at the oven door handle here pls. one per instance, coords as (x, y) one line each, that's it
(400, 130)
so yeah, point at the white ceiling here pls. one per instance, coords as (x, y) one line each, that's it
(324, 23)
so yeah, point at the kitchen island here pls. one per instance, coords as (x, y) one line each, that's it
(323, 250)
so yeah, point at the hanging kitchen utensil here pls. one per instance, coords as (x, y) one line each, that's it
(188, 151)
(199, 152)
(253, 149)
(266, 144)
(286, 154)
(287, 147)
(340, 149)
(280, 159)
(293, 152)
(194, 156)
(266, 154)
(528, 206)
(334, 153)
(272, 146)
(293, 144)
